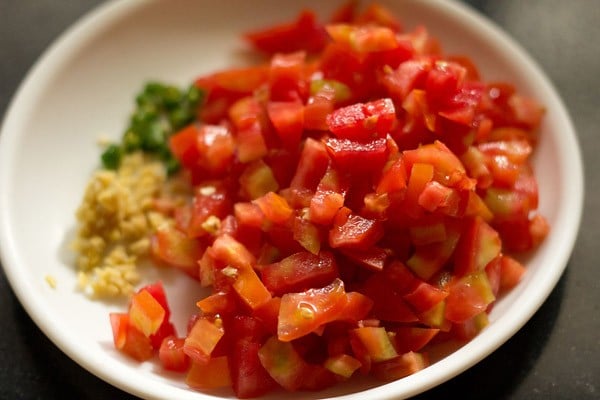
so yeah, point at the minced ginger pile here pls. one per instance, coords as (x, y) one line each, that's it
(116, 218)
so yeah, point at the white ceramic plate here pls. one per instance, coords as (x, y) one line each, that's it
(83, 87)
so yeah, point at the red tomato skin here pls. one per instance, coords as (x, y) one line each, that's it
(183, 146)
(171, 354)
(311, 166)
(363, 121)
(299, 272)
(283, 363)
(286, 78)
(174, 247)
(217, 204)
(425, 297)
(304, 33)
(249, 378)
(468, 296)
(157, 290)
(388, 302)
(355, 232)
(359, 157)
(129, 340)
(302, 313)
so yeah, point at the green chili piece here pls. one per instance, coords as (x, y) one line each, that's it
(111, 156)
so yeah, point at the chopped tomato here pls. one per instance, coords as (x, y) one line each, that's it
(299, 272)
(203, 338)
(302, 313)
(283, 363)
(399, 367)
(129, 339)
(172, 356)
(363, 121)
(212, 374)
(304, 33)
(357, 198)
(174, 247)
(146, 314)
(354, 231)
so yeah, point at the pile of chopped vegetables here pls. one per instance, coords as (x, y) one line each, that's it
(356, 202)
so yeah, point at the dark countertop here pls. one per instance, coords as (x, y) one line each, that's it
(555, 356)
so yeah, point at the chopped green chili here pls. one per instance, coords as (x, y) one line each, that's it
(161, 110)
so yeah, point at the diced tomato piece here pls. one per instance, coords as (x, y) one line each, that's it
(251, 143)
(257, 180)
(157, 291)
(287, 81)
(443, 82)
(183, 145)
(203, 338)
(274, 207)
(218, 303)
(231, 252)
(435, 317)
(409, 338)
(317, 377)
(307, 234)
(249, 378)
(388, 300)
(175, 248)
(377, 14)
(216, 148)
(248, 214)
(210, 201)
(355, 231)
(357, 307)
(311, 166)
(363, 39)
(329, 197)
(166, 329)
(377, 342)
(302, 313)
(363, 121)
(448, 170)
(511, 272)
(394, 178)
(343, 365)
(478, 245)
(268, 314)
(283, 363)
(425, 297)
(171, 354)
(409, 75)
(288, 119)
(212, 374)
(471, 327)
(373, 258)
(492, 269)
(233, 81)
(420, 175)
(428, 259)
(468, 296)
(299, 272)
(427, 231)
(128, 339)
(399, 367)
(250, 288)
(318, 106)
(304, 33)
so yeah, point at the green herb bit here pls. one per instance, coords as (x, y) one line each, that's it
(161, 110)
(111, 157)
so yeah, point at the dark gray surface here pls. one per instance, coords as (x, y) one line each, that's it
(555, 356)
